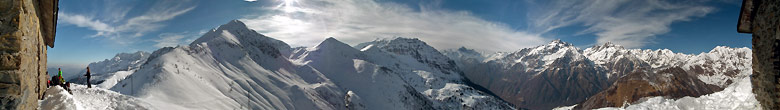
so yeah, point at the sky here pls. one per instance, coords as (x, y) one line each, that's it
(94, 30)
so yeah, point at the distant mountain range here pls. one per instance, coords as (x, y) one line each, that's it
(608, 75)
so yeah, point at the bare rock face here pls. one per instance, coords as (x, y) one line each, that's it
(23, 52)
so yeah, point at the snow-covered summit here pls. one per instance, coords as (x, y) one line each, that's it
(536, 58)
(231, 67)
(236, 34)
(331, 44)
(416, 49)
(328, 50)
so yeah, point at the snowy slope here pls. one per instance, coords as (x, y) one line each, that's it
(57, 98)
(89, 99)
(737, 96)
(409, 71)
(230, 67)
(106, 73)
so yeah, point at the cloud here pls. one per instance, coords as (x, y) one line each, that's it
(306, 23)
(631, 23)
(150, 21)
(84, 21)
(112, 24)
(175, 39)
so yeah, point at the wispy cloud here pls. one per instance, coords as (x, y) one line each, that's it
(175, 39)
(306, 23)
(113, 24)
(631, 23)
(86, 22)
(161, 11)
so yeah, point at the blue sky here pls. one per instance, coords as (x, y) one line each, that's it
(93, 30)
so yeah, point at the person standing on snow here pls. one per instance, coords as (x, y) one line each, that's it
(88, 76)
(59, 76)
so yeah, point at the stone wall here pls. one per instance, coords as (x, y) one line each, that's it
(765, 25)
(23, 52)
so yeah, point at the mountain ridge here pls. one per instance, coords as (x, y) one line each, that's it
(608, 61)
(237, 67)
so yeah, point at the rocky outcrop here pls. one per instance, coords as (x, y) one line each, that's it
(670, 82)
(26, 28)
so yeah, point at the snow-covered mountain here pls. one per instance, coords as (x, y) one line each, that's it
(232, 67)
(600, 69)
(108, 72)
(540, 77)
(407, 70)
(673, 75)
(718, 67)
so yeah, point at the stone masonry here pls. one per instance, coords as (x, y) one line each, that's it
(762, 18)
(26, 29)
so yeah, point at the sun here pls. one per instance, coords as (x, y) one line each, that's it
(288, 6)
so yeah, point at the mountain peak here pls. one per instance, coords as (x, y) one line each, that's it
(394, 41)
(463, 48)
(401, 40)
(467, 50)
(236, 34)
(234, 23)
(331, 42)
(610, 44)
(558, 42)
(414, 48)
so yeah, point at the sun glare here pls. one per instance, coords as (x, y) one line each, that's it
(288, 6)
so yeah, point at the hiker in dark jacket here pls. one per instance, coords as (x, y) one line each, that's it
(88, 76)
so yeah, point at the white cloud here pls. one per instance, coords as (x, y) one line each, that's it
(631, 23)
(84, 21)
(306, 23)
(175, 39)
(113, 25)
(150, 21)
